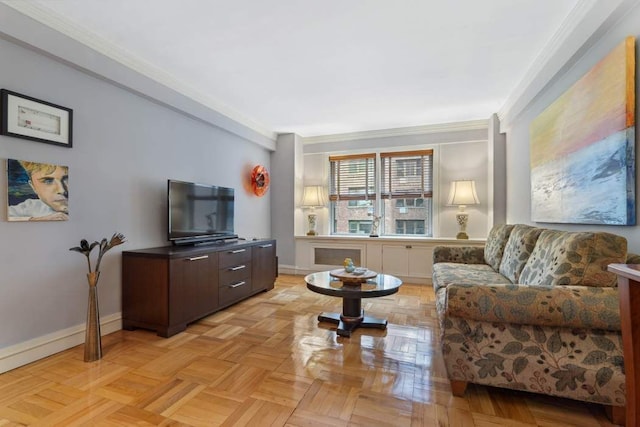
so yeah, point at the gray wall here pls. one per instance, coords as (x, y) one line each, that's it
(125, 149)
(518, 179)
(497, 199)
(285, 161)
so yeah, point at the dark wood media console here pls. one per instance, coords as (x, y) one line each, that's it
(166, 288)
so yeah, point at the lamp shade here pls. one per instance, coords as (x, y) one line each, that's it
(313, 197)
(463, 193)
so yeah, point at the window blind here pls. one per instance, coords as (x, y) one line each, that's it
(353, 177)
(407, 174)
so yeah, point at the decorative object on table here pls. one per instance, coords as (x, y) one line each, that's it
(583, 147)
(37, 191)
(462, 194)
(312, 198)
(355, 275)
(348, 265)
(260, 180)
(92, 340)
(375, 223)
(30, 118)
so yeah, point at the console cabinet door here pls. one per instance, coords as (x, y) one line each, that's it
(264, 266)
(145, 292)
(194, 287)
(409, 260)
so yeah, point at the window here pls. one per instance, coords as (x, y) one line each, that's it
(352, 192)
(406, 191)
(409, 226)
(409, 203)
(359, 203)
(401, 194)
(408, 168)
(360, 227)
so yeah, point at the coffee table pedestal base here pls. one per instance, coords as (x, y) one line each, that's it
(352, 317)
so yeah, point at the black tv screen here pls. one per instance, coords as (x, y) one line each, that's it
(199, 212)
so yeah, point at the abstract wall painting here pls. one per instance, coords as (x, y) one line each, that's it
(37, 191)
(583, 147)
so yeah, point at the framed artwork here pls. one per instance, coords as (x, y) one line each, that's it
(583, 147)
(37, 191)
(30, 118)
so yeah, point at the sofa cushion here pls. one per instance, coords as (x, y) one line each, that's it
(518, 249)
(587, 307)
(447, 273)
(461, 254)
(496, 242)
(574, 258)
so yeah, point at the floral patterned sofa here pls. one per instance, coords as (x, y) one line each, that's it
(534, 310)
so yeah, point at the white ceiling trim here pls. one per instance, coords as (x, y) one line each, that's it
(573, 36)
(413, 130)
(57, 22)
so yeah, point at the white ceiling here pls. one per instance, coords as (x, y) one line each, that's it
(330, 66)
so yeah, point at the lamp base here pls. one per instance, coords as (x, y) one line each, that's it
(313, 221)
(462, 218)
(462, 236)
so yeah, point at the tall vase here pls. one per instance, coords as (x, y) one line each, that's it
(92, 341)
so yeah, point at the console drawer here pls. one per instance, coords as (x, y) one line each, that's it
(234, 274)
(234, 291)
(232, 257)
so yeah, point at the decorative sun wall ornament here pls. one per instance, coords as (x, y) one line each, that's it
(259, 180)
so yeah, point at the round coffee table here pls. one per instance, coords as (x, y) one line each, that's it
(352, 315)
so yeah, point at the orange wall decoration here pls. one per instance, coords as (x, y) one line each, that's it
(259, 180)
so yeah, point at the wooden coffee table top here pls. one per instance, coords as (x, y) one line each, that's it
(361, 275)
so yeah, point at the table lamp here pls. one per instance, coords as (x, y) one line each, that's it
(312, 198)
(462, 194)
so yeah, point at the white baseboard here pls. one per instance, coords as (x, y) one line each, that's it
(295, 271)
(289, 269)
(46, 345)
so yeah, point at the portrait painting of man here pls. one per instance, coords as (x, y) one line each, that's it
(37, 191)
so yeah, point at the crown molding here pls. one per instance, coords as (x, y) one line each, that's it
(574, 37)
(404, 131)
(59, 23)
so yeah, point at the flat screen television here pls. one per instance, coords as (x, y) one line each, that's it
(199, 213)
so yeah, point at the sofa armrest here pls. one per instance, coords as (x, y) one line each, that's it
(561, 306)
(459, 254)
(632, 258)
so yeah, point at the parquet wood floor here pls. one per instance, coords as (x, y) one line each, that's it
(267, 362)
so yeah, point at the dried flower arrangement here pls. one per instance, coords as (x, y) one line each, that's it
(92, 341)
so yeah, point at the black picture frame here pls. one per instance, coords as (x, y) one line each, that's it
(36, 120)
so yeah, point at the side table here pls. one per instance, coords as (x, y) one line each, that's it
(629, 289)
